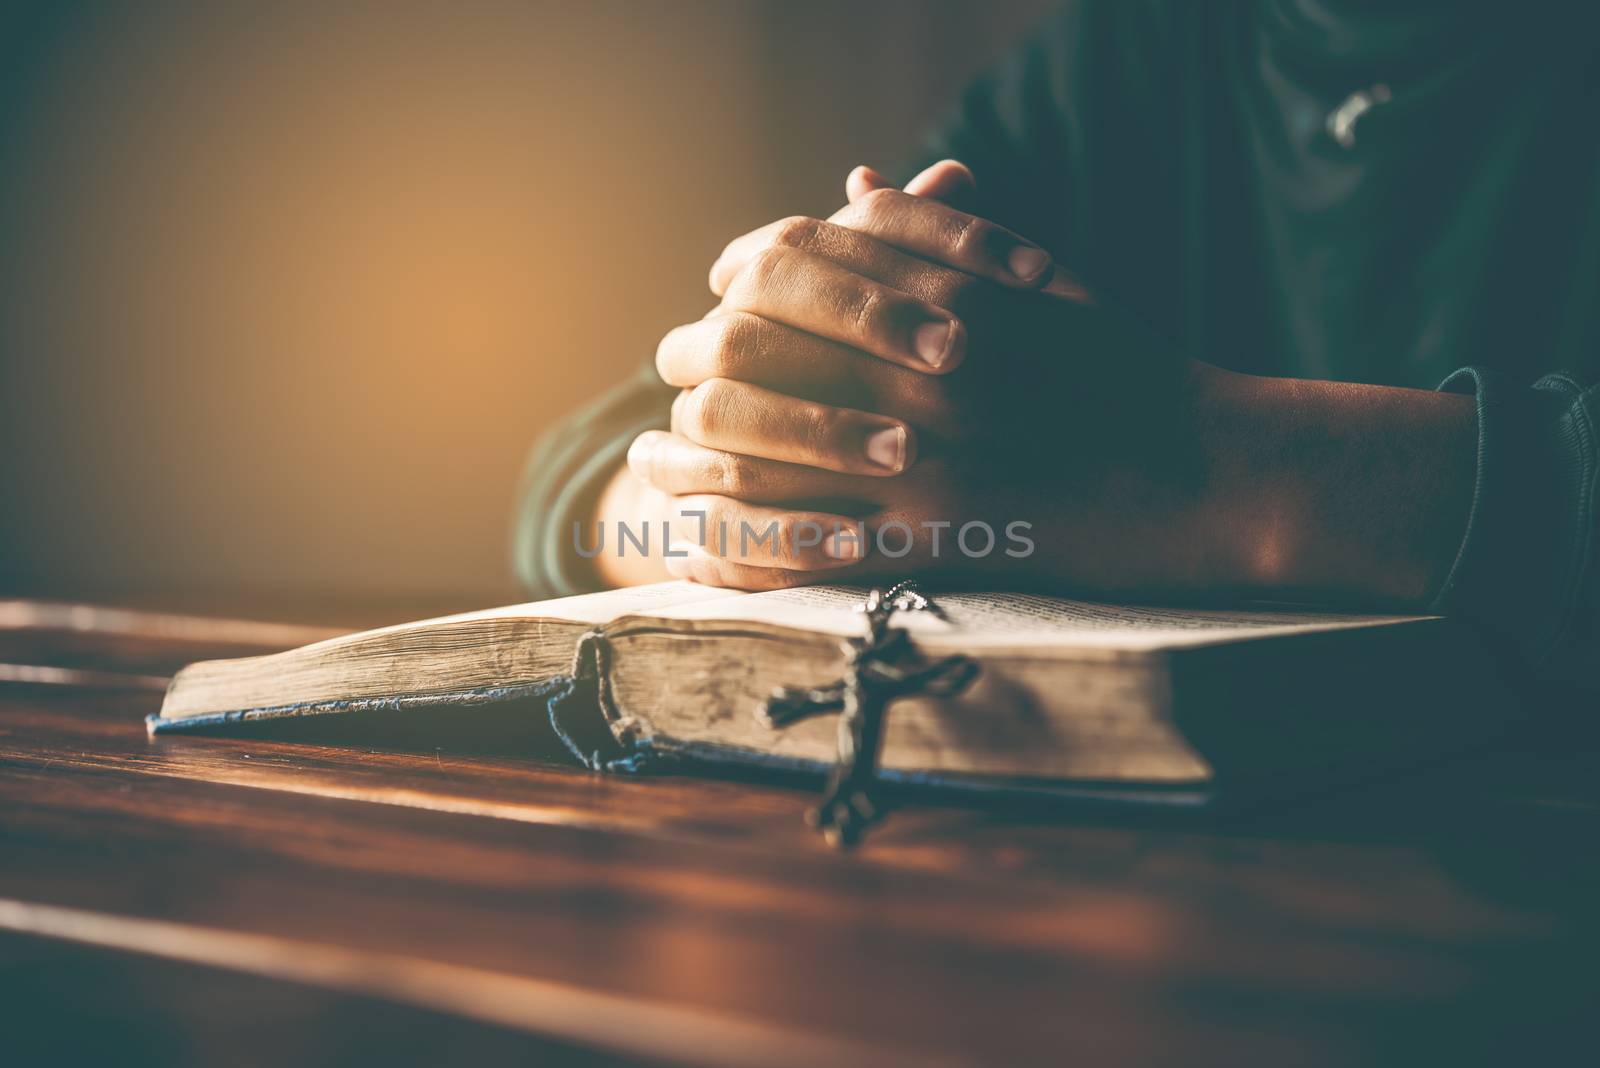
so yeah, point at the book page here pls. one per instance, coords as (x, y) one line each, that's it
(1022, 618)
(588, 608)
(604, 606)
(516, 643)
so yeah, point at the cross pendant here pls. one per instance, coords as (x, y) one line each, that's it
(880, 668)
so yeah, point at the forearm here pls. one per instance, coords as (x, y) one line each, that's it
(1337, 489)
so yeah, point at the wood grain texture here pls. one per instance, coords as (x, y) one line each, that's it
(1450, 916)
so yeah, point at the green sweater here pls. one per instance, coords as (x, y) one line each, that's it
(1189, 162)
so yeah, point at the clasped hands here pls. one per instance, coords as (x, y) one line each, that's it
(907, 388)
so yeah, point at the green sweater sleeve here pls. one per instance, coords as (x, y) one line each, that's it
(568, 468)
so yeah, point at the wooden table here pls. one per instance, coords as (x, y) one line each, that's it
(243, 901)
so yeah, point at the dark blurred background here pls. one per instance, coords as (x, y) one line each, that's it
(287, 290)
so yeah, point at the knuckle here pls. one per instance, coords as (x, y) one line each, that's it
(703, 406)
(824, 432)
(968, 236)
(735, 336)
(867, 310)
(797, 231)
(877, 203)
(786, 548)
(736, 475)
(801, 536)
(763, 268)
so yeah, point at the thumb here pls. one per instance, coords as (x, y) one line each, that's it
(948, 180)
(862, 181)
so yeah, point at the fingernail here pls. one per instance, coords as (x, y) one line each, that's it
(1028, 263)
(843, 545)
(932, 341)
(887, 448)
(677, 567)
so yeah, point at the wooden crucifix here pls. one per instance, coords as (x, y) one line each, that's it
(880, 668)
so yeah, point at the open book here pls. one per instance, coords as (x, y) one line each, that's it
(1070, 695)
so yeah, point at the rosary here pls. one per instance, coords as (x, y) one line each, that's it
(880, 668)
